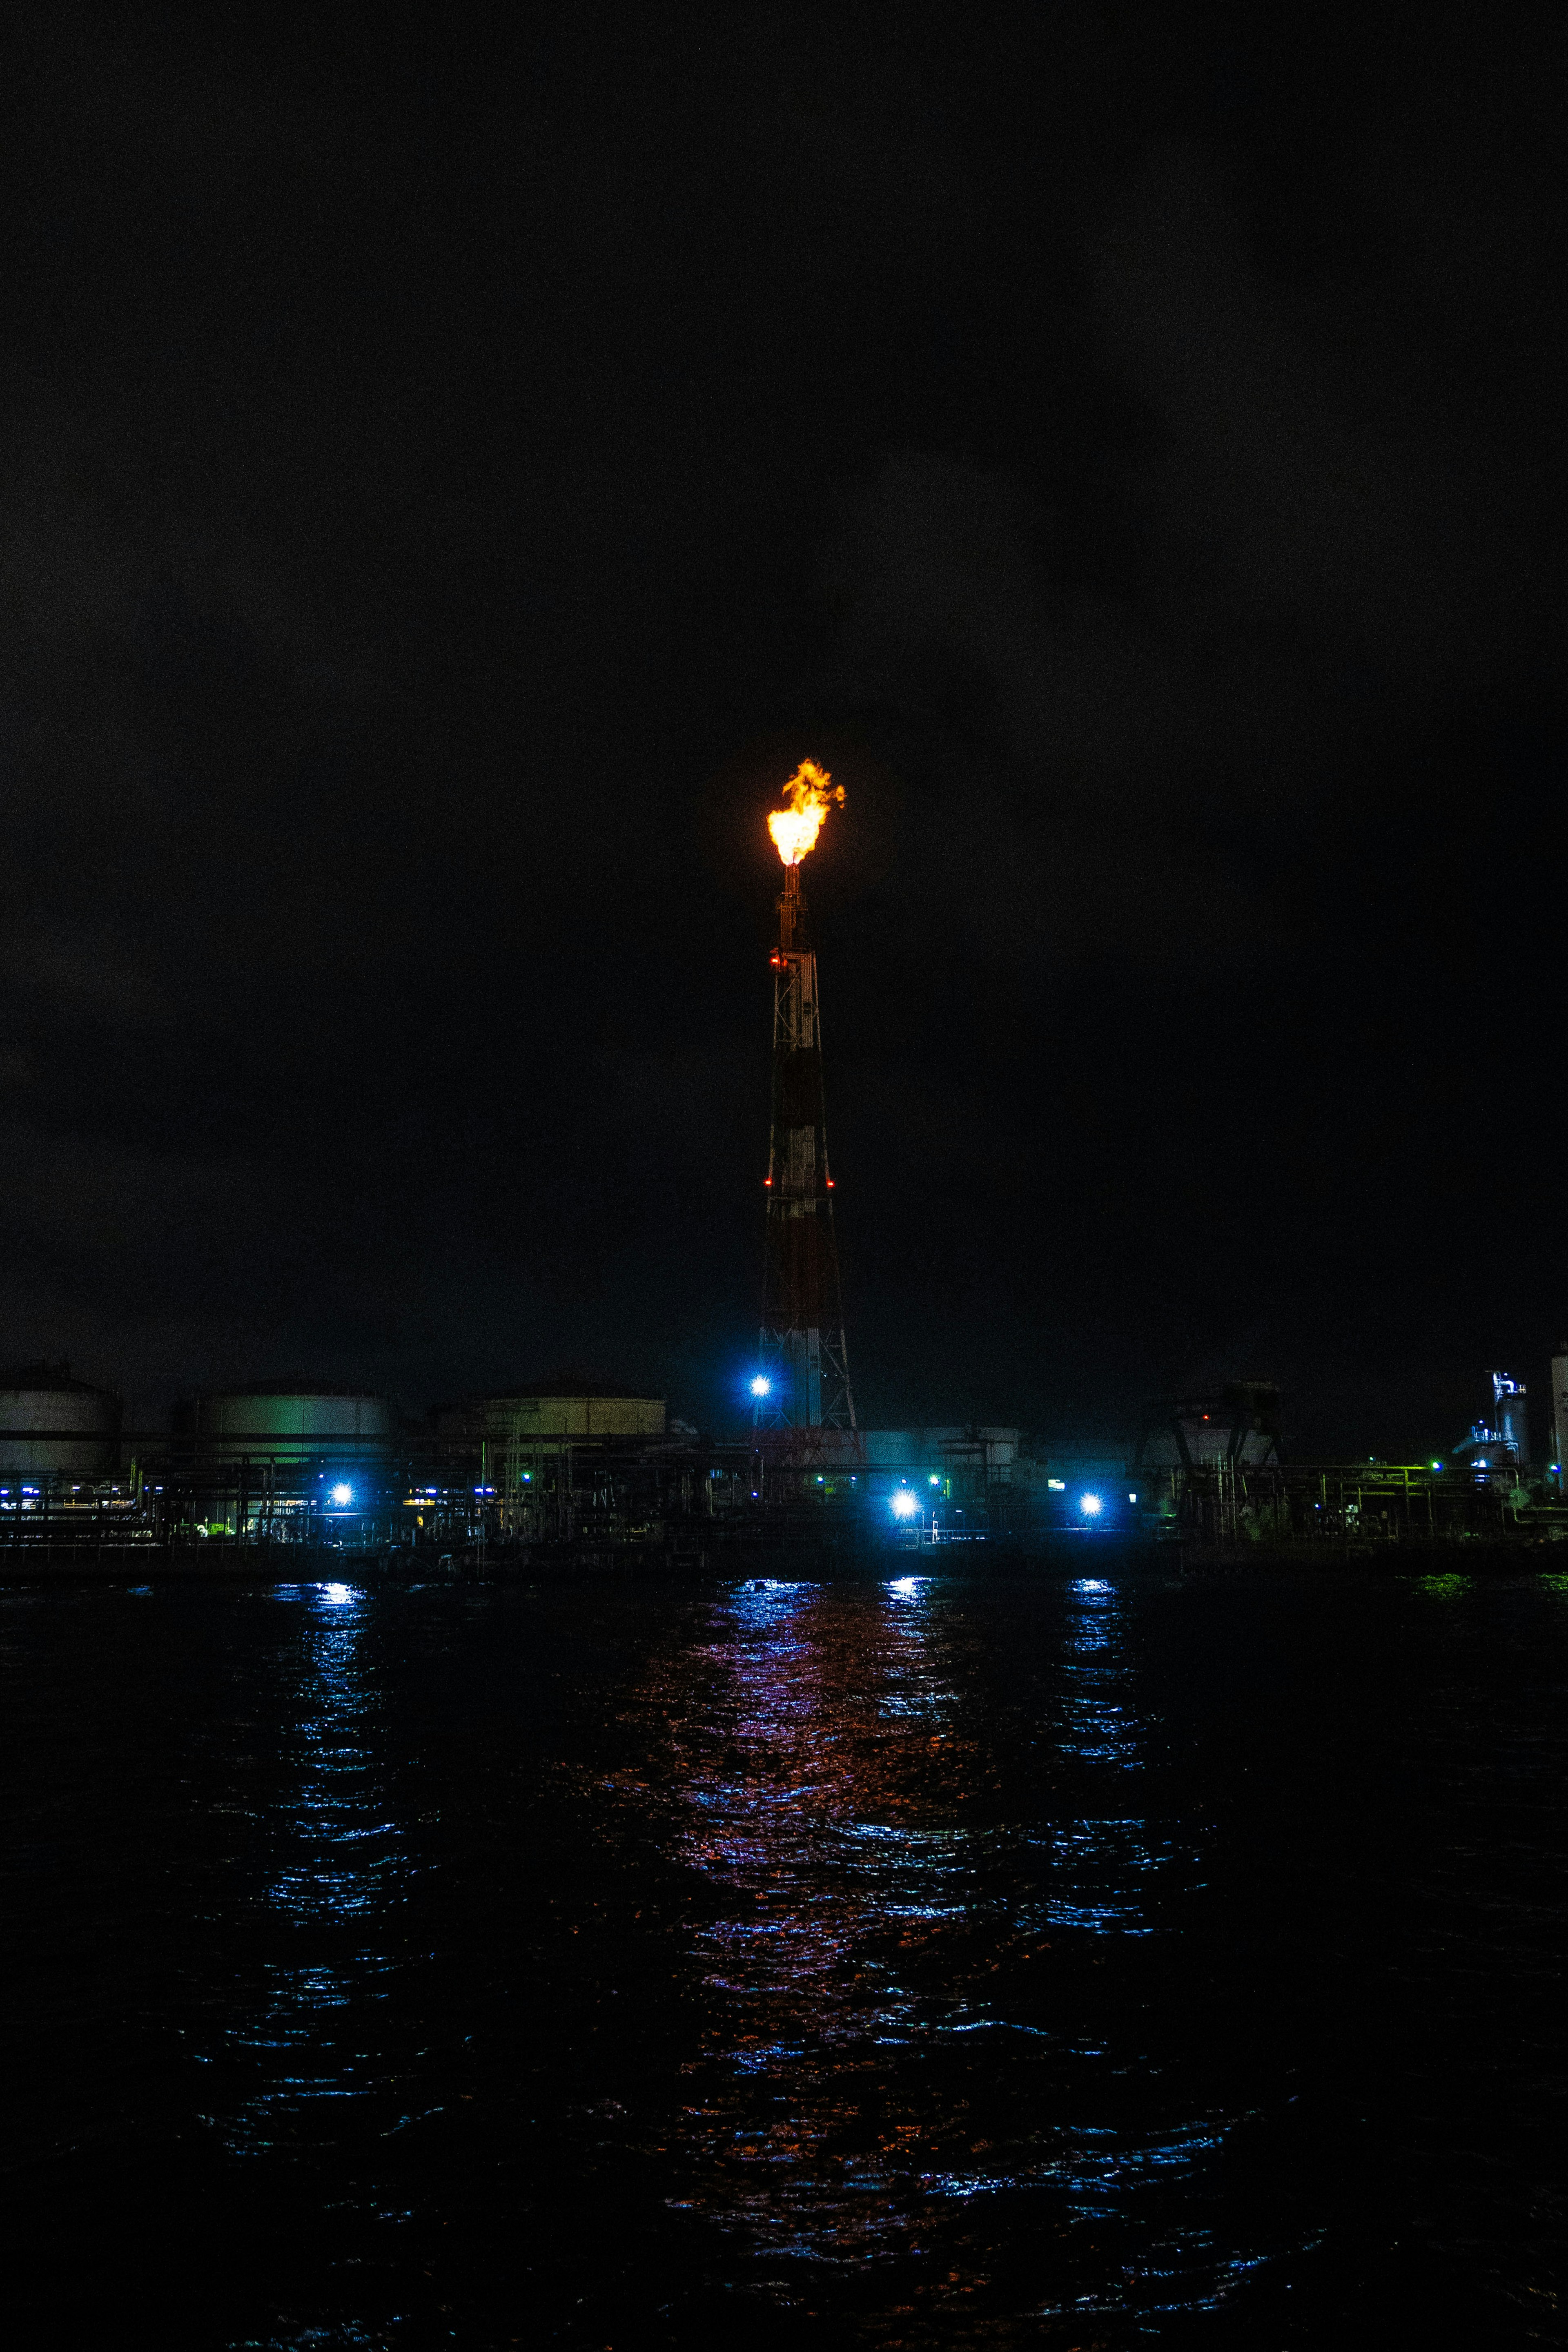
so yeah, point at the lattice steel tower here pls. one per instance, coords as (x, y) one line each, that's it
(801, 1356)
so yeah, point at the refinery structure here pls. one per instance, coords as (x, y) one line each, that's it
(580, 1474)
(803, 1407)
(582, 1471)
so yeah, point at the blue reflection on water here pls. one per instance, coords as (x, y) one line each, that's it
(1099, 1721)
(336, 1848)
(992, 1962)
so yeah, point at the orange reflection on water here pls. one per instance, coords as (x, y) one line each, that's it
(831, 1790)
(888, 2052)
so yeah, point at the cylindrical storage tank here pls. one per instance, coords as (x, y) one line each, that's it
(286, 1424)
(1512, 1424)
(594, 1414)
(54, 1427)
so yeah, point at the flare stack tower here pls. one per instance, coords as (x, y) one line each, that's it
(804, 1408)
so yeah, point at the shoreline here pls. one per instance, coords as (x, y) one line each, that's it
(1074, 1554)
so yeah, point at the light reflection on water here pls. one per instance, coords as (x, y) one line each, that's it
(884, 1910)
(335, 1850)
(973, 1961)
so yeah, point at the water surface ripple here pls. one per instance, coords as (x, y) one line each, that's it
(1079, 1961)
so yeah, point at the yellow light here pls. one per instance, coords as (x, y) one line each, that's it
(811, 793)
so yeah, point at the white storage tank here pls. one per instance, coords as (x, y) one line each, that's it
(283, 1424)
(552, 1415)
(54, 1427)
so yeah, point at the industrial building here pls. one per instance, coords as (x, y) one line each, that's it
(582, 1474)
(1214, 1470)
(579, 1471)
(1499, 1447)
(304, 1463)
(278, 1462)
(62, 1481)
(1238, 1424)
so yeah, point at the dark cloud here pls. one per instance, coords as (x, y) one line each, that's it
(445, 486)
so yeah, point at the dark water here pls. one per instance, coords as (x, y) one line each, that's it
(940, 1963)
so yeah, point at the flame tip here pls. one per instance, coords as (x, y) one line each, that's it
(811, 792)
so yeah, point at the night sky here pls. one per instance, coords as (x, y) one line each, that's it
(450, 483)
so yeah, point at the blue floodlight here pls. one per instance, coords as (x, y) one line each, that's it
(342, 1496)
(904, 1504)
(760, 1387)
(1091, 1506)
(1437, 1466)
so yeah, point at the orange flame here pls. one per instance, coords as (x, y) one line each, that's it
(811, 794)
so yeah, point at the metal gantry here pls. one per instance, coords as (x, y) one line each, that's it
(803, 1381)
